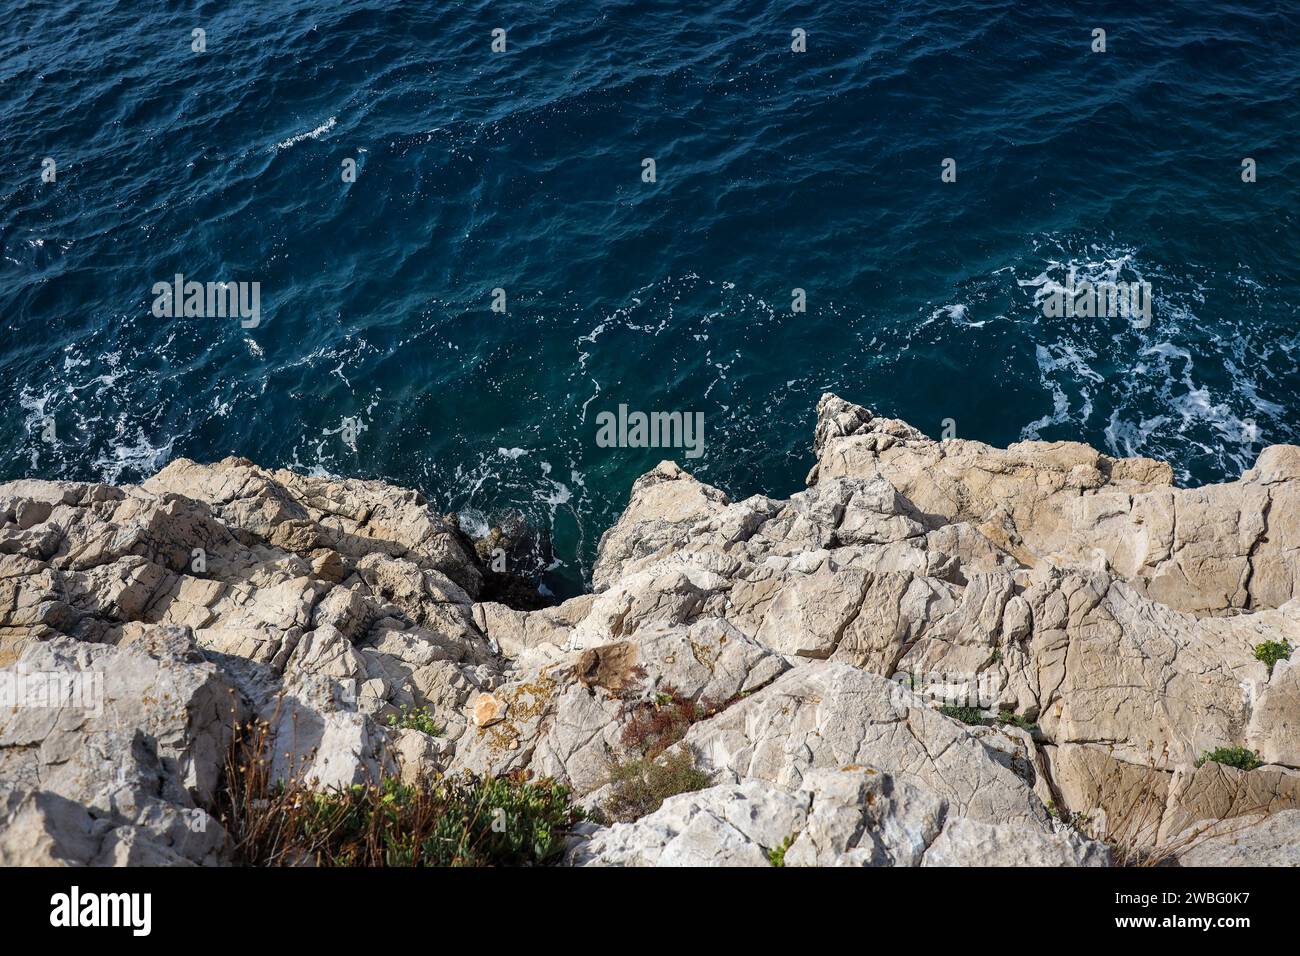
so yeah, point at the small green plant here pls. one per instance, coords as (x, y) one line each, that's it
(1270, 652)
(976, 718)
(776, 855)
(1017, 720)
(415, 718)
(1238, 757)
(967, 715)
(645, 774)
(641, 786)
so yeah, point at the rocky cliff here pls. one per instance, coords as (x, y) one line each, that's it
(938, 653)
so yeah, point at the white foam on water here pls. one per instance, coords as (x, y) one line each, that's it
(138, 456)
(474, 522)
(316, 133)
(1204, 386)
(957, 313)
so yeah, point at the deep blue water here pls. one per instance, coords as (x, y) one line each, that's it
(522, 170)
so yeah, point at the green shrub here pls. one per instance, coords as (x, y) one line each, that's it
(642, 776)
(460, 820)
(967, 715)
(1017, 720)
(776, 855)
(976, 718)
(1238, 757)
(1270, 652)
(641, 785)
(415, 718)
